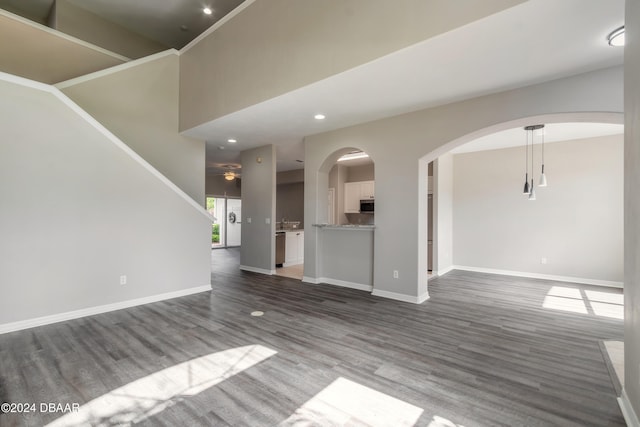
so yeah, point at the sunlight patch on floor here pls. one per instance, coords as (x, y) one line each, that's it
(152, 394)
(344, 402)
(598, 303)
(565, 304)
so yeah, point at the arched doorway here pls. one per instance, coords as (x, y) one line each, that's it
(540, 258)
(343, 235)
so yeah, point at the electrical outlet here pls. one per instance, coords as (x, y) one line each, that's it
(543, 260)
(267, 220)
(123, 280)
(249, 220)
(395, 274)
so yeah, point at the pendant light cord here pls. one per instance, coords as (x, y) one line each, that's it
(526, 158)
(532, 141)
(543, 151)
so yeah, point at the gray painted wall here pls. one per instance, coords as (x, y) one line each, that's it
(290, 202)
(78, 22)
(576, 223)
(290, 177)
(361, 173)
(632, 205)
(258, 209)
(443, 213)
(216, 185)
(357, 268)
(427, 134)
(78, 212)
(273, 59)
(140, 105)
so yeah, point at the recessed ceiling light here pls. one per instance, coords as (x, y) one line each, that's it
(231, 141)
(207, 11)
(616, 38)
(319, 117)
(257, 313)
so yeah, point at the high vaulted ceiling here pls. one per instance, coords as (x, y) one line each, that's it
(535, 41)
(173, 23)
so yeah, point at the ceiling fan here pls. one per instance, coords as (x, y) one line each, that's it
(228, 171)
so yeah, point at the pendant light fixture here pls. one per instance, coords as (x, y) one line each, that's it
(531, 190)
(526, 165)
(543, 177)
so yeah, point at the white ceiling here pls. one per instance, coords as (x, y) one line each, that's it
(536, 41)
(554, 132)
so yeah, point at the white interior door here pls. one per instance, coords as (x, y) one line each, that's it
(234, 222)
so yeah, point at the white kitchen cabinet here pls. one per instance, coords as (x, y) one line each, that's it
(356, 191)
(352, 197)
(294, 248)
(367, 190)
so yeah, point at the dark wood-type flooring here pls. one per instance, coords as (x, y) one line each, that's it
(481, 352)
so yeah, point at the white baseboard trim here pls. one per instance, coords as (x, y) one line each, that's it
(70, 315)
(257, 270)
(336, 282)
(596, 282)
(628, 413)
(401, 297)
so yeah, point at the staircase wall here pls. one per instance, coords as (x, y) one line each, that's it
(139, 102)
(80, 209)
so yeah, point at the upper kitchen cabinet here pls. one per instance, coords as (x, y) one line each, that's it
(354, 192)
(352, 197)
(367, 190)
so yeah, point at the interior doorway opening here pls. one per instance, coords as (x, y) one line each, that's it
(430, 220)
(477, 186)
(226, 230)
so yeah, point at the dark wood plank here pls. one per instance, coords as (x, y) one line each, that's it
(483, 351)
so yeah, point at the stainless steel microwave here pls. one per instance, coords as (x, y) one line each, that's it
(367, 206)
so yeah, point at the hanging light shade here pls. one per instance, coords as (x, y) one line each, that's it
(543, 177)
(532, 193)
(526, 164)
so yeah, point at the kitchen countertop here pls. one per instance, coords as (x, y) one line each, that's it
(345, 226)
(286, 230)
